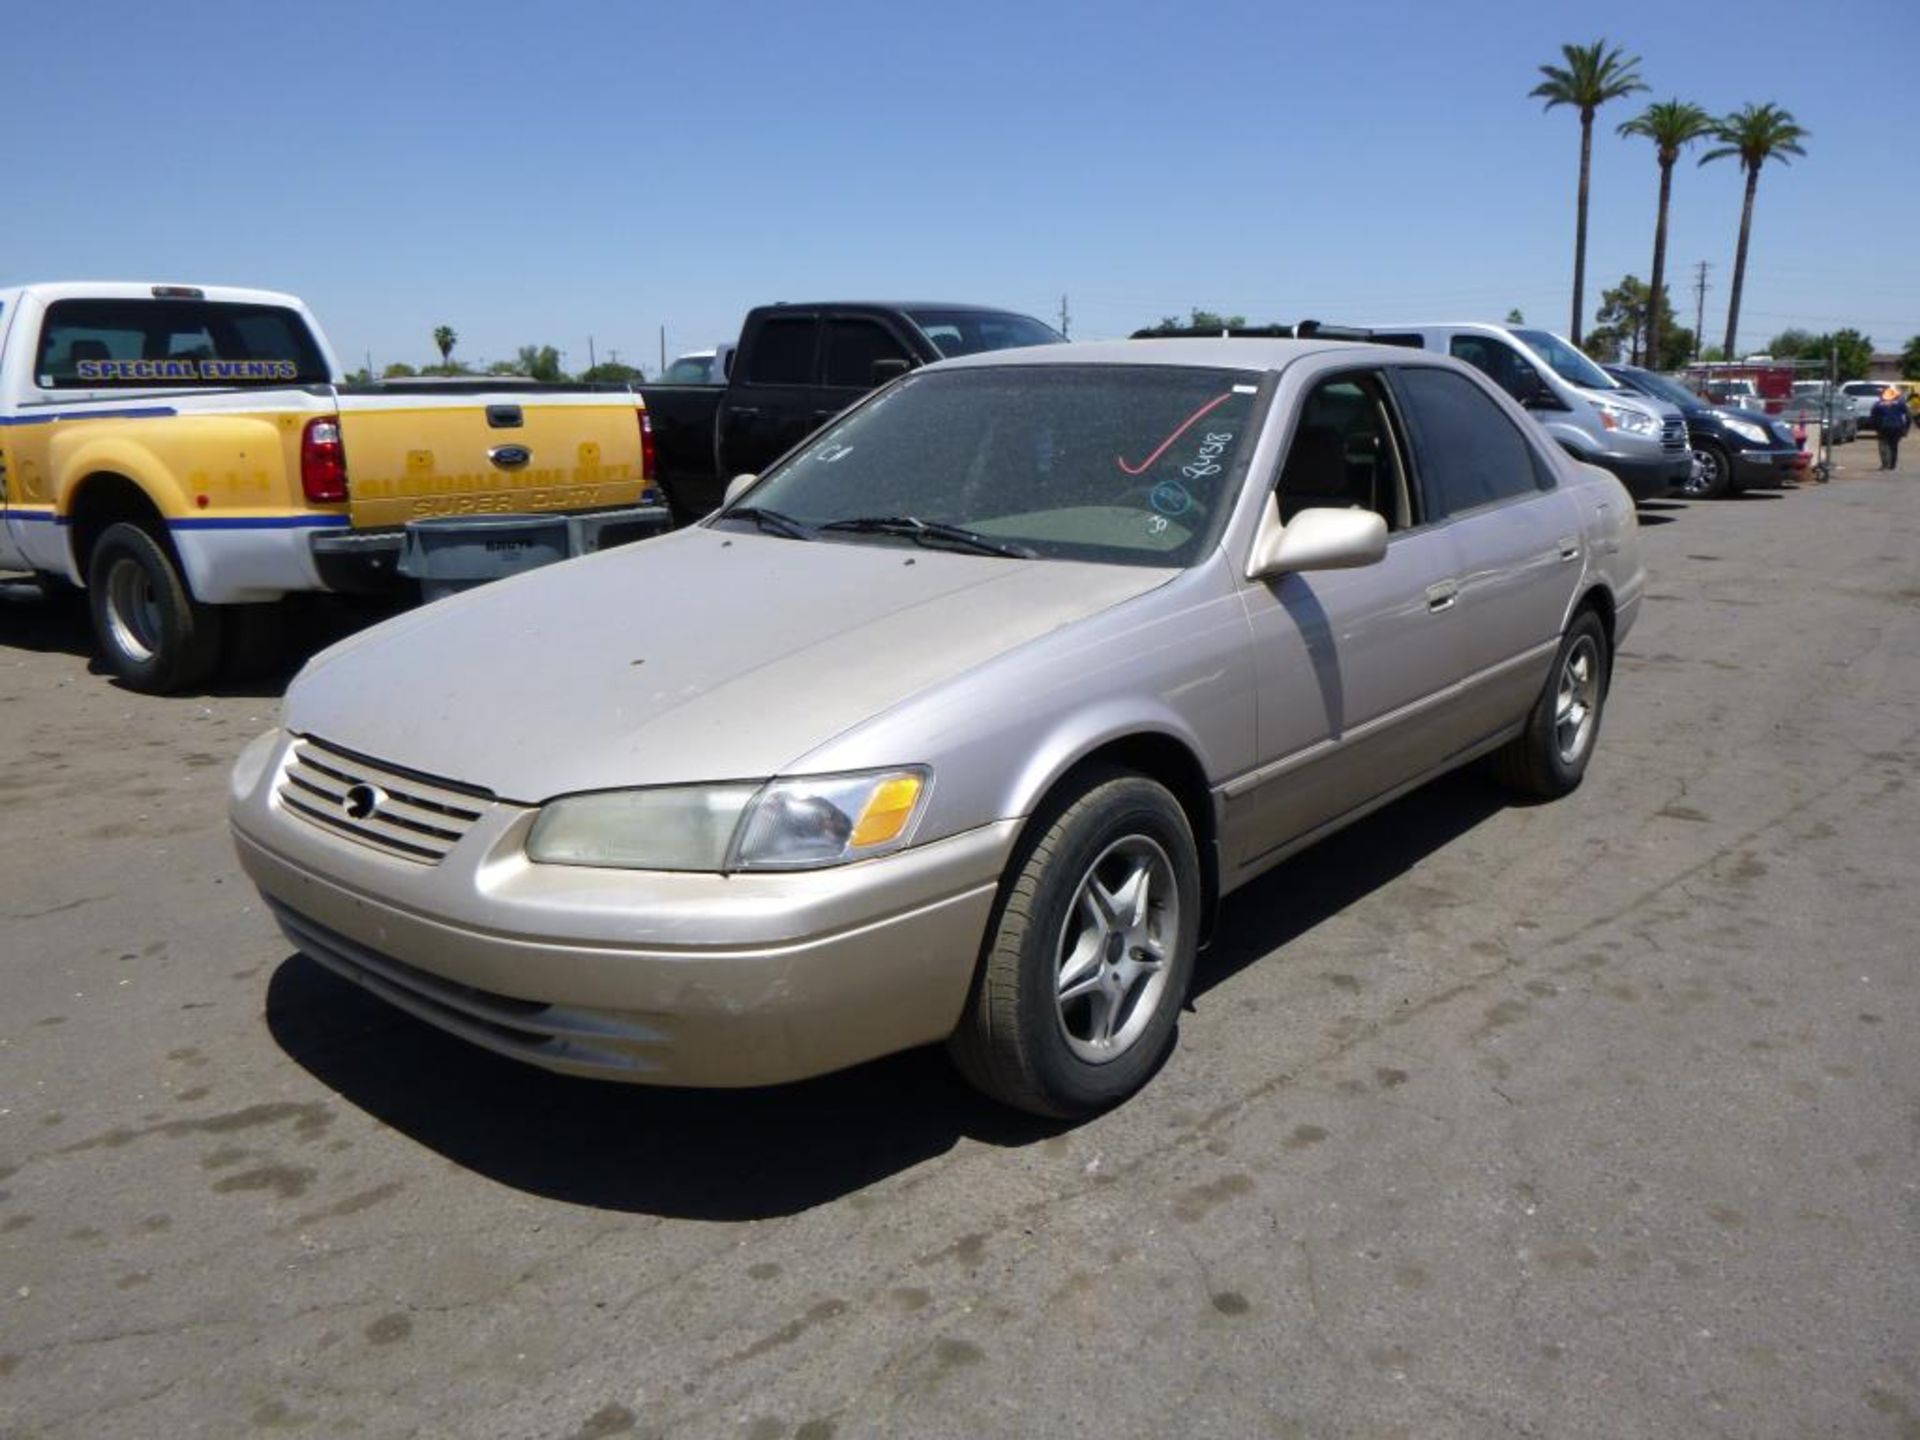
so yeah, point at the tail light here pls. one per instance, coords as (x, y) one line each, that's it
(323, 462)
(648, 470)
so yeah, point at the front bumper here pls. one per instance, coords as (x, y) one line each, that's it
(1647, 479)
(1766, 467)
(710, 980)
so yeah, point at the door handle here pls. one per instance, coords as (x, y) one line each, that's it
(743, 410)
(1442, 595)
(1569, 547)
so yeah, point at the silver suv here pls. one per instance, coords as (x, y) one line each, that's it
(1643, 441)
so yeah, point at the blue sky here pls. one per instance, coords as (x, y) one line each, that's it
(543, 174)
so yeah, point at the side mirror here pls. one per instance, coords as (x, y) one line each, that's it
(1316, 540)
(891, 368)
(737, 487)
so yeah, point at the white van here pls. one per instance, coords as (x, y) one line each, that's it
(1641, 440)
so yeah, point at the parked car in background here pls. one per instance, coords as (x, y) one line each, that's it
(1640, 439)
(1822, 406)
(1732, 449)
(1732, 395)
(190, 456)
(794, 368)
(700, 367)
(973, 708)
(1863, 395)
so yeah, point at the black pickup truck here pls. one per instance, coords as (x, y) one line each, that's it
(796, 367)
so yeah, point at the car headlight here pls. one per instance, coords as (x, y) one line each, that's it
(796, 824)
(1620, 417)
(1748, 431)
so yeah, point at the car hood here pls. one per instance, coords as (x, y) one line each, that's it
(703, 655)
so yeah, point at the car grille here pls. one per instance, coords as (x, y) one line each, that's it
(391, 810)
(1673, 435)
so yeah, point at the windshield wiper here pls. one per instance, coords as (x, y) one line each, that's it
(771, 521)
(933, 533)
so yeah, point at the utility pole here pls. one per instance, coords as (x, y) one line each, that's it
(1699, 305)
(591, 362)
(663, 349)
(1065, 318)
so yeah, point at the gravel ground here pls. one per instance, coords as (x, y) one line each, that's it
(1592, 1119)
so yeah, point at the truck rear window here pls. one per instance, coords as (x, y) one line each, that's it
(174, 344)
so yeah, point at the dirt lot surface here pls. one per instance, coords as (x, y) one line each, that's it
(1592, 1119)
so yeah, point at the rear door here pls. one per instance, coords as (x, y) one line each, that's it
(414, 456)
(1353, 668)
(1517, 537)
(771, 395)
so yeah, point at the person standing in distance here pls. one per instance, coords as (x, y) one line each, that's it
(1890, 421)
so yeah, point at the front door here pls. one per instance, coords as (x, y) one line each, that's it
(769, 401)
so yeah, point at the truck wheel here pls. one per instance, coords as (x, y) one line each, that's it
(1091, 952)
(152, 633)
(254, 639)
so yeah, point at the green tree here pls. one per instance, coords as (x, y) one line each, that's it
(1795, 344)
(540, 362)
(399, 370)
(445, 337)
(1853, 353)
(613, 372)
(1514, 317)
(1910, 360)
(1593, 75)
(1671, 125)
(505, 367)
(1753, 134)
(1645, 334)
(1199, 320)
(450, 367)
(359, 377)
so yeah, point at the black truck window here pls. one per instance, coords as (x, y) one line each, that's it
(782, 353)
(853, 346)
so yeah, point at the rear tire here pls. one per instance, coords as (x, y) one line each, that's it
(151, 632)
(1091, 952)
(1548, 758)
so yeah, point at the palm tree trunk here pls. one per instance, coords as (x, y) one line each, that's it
(1659, 266)
(1740, 261)
(1580, 224)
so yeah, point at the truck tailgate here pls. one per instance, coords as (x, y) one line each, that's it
(413, 456)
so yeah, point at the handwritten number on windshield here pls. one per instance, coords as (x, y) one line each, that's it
(1185, 425)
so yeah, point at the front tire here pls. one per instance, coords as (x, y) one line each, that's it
(1548, 758)
(151, 632)
(1713, 475)
(1091, 952)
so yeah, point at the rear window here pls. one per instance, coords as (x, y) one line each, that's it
(174, 344)
(968, 332)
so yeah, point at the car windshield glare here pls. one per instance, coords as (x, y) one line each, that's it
(1118, 464)
(1568, 363)
(1664, 389)
(968, 332)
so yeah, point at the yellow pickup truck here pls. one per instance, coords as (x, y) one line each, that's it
(190, 456)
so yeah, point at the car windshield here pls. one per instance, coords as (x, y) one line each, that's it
(1121, 464)
(968, 332)
(1566, 362)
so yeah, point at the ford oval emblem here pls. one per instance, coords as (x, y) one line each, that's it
(509, 457)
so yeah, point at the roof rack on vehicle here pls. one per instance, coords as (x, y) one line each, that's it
(1304, 330)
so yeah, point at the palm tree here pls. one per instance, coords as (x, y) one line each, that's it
(445, 338)
(1593, 75)
(1672, 125)
(1757, 134)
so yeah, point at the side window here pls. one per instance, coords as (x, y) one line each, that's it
(783, 352)
(853, 346)
(1345, 454)
(1469, 453)
(1500, 363)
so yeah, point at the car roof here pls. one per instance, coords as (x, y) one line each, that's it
(1212, 354)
